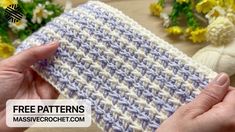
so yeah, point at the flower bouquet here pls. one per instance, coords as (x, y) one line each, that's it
(211, 21)
(36, 13)
(205, 20)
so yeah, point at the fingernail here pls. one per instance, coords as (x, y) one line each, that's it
(50, 44)
(53, 43)
(221, 79)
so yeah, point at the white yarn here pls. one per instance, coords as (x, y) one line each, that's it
(220, 31)
(218, 58)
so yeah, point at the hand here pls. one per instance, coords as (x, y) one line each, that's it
(212, 111)
(19, 81)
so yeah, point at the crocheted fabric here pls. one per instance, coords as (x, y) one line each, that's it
(133, 79)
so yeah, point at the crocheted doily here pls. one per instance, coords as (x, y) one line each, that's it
(133, 79)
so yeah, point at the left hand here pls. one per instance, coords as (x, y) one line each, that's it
(19, 81)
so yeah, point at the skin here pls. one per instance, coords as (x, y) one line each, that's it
(19, 81)
(213, 110)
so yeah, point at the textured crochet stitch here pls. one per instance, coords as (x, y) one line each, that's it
(133, 79)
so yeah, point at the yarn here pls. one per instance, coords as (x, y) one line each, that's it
(221, 31)
(133, 79)
(218, 58)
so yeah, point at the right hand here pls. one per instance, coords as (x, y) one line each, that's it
(211, 111)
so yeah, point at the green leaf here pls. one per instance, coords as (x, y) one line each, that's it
(28, 9)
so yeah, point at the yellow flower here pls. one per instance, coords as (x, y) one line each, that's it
(230, 4)
(182, 1)
(5, 3)
(175, 30)
(205, 6)
(198, 35)
(188, 31)
(155, 9)
(6, 50)
(220, 3)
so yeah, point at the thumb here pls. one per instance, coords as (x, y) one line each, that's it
(25, 59)
(212, 94)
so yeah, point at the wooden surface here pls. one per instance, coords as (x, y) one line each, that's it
(138, 10)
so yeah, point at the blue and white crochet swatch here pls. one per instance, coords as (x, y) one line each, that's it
(133, 79)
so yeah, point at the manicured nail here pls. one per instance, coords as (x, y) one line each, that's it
(221, 79)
